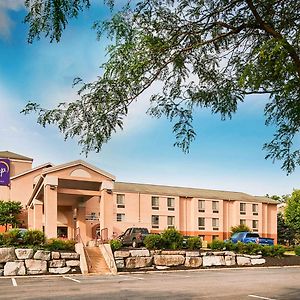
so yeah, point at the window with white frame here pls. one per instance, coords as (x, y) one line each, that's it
(215, 223)
(242, 221)
(201, 205)
(171, 203)
(255, 225)
(242, 208)
(171, 221)
(201, 223)
(120, 217)
(255, 209)
(120, 200)
(215, 206)
(155, 202)
(155, 221)
(91, 217)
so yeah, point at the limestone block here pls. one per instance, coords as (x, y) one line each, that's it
(121, 254)
(36, 266)
(229, 260)
(42, 255)
(59, 270)
(69, 255)
(192, 253)
(243, 261)
(7, 254)
(253, 256)
(120, 263)
(173, 252)
(73, 263)
(55, 255)
(24, 253)
(229, 253)
(218, 253)
(257, 261)
(138, 262)
(57, 263)
(213, 260)
(162, 267)
(139, 252)
(193, 262)
(169, 260)
(155, 252)
(14, 268)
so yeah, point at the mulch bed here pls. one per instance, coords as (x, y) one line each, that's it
(286, 260)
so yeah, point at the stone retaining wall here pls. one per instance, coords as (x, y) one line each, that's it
(14, 262)
(161, 259)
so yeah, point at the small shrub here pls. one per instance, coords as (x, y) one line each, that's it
(230, 246)
(194, 243)
(12, 237)
(217, 245)
(58, 244)
(297, 250)
(115, 244)
(1, 240)
(34, 237)
(172, 239)
(153, 241)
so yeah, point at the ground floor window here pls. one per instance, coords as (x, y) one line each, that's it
(255, 225)
(120, 217)
(215, 237)
(155, 221)
(62, 232)
(171, 221)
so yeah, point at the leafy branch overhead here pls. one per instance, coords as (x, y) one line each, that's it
(205, 54)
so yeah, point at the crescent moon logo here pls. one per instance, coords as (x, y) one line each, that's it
(5, 163)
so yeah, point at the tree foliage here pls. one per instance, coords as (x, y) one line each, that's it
(285, 234)
(292, 211)
(239, 228)
(9, 212)
(206, 54)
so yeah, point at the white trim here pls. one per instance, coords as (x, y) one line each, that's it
(32, 170)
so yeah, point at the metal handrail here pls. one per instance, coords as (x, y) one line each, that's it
(79, 239)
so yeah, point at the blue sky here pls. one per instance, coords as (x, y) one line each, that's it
(226, 155)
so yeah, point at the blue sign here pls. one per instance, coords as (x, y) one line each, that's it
(4, 171)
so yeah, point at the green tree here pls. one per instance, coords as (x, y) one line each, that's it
(292, 211)
(239, 228)
(285, 234)
(206, 54)
(9, 213)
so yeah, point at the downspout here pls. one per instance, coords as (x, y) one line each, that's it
(139, 207)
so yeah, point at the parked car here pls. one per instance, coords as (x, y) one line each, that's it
(133, 236)
(251, 237)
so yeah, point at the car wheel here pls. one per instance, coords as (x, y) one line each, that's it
(134, 243)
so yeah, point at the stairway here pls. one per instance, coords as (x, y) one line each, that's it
(98, 263)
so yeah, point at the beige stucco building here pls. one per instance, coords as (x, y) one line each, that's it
(77, 197)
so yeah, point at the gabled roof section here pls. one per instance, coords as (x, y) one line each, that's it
(43, 166)
(187, 192)
(78, 163)
(12, 155)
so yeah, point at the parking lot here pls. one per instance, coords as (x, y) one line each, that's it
(254, 283)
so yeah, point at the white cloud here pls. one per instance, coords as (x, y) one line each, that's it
(6, 23)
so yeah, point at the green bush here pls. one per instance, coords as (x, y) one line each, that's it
(34, 237)
(153, 241)
(115, 245)
(58, 244)
(12, 237)
(276, 250)
(172, 239)
(297, 250)
(194, 242)
(217, 245)
(230, 246)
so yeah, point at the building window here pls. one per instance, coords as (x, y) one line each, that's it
(215, 237)
(215, 206)
(155, 202)
(242, 208)
(120, 200)
(202, 237)
(155, 221)
(91, 217)
(120, 217)
(201, 223)
(242, 221)
(255, 209)
(201, 205)
(255, 225)
(171, 203)
(215, 223)
(171, 221)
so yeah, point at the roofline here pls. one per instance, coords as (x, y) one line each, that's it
(37, 186)
(31, 170)
(79, 162)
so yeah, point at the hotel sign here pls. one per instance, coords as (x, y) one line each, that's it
(4, 171)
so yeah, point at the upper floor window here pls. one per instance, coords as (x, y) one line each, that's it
(171, 203)
(201, 223)
(155, 202)
(201, 205)
(215, 223)
(215, 206)
(120, 200)
(255, 209)
(255, 225)
(91, 217)
(120, 217)
(155, 221)
(242, 208)
(171, 221)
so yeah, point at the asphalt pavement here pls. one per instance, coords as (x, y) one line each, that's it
(229, 284)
